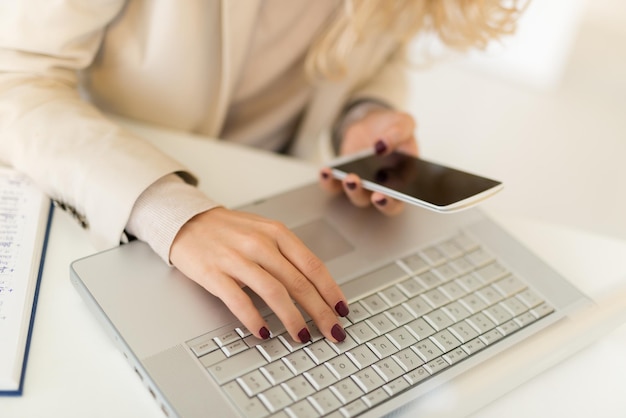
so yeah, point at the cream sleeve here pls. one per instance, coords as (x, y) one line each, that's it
(78, 156)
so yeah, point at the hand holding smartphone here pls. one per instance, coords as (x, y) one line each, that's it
(417, 181)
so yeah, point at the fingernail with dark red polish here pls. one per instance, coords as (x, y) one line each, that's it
(342, 309)
(338, 333)
(380, 147)
(264, 333)
(325, 175)
(351, 185)
(381, 202)
(304, 335)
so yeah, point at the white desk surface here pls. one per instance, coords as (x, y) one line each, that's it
(74, 370)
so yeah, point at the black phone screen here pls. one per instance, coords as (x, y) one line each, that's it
(421, 179)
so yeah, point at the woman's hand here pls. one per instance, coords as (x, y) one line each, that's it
(384, 131)
(222, 250)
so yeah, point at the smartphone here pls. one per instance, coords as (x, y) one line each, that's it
(417, 181)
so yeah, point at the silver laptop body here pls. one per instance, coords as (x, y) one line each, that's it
(158, 318)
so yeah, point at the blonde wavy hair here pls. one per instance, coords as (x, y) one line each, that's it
(459, 24)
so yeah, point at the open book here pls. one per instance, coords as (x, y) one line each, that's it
(25, 214)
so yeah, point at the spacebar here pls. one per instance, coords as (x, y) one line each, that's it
(373, 281)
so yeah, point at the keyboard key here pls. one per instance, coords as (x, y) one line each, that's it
(492, 336)
(489, 295)
(320, 377)
(455, 356)
(479, 257)
(236, 365)
(427, 350)
(453, 290)
(473, 346)
(445, 340)
(542, 310)
(411, 287)
(515, 306)
(473, 303)
(435, 298)
(380, 323)
(388, 369)
(320, 351)
(461, 265)
(303, 409)
(418, 306)
(417, 375)
(234, 348)
(463, 331)
(445, 272)
(227, 338)
(396, 386)
(481, 323)
(450, 248)
(470, 282)
(290, 343)
(325, 401)
(525, 319)
(429, 280)
(420, 329)
(508, 327)
(382, 347)
(272, 349)
(298, 388)
(299, 362)
(401, 337)
(212, 358)
(342, 366)
(436, 365)
(357, 312)
(368, 380)
(400, 315)
(456, 311)
(492, 272)
(434, 256)
(343, 346)
(253, 383)
(361, 332)
(375, 397)
(408, 359)
(275, 398)
(355, 408)
(509, 286)
(277, 372)
(362, 356)
(498, 314)
(202, 347)
(392, 295)
(250, 407)
(374, 304)
(438, 319)
(415, 263)
(346, 391)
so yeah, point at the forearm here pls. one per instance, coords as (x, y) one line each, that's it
(162, 209)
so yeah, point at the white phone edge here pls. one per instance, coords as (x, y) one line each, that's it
(374, 187)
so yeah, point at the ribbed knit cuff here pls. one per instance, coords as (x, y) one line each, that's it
(162, 209)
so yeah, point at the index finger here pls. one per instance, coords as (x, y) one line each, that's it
(314, 269)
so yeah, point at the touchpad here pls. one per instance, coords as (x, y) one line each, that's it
(323, 239)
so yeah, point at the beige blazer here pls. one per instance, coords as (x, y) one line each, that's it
(63, 62)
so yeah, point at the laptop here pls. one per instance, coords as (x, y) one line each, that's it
(432, 296)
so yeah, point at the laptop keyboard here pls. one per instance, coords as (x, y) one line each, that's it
(442, 305)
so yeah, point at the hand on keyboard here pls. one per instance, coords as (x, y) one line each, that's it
(223, 249)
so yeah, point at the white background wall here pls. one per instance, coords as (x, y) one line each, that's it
(544, 112)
